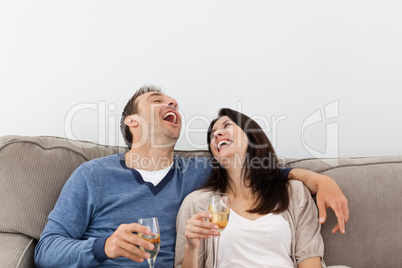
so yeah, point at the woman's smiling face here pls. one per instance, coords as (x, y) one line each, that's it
(228, 142)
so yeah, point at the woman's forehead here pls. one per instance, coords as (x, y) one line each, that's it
(222, 120)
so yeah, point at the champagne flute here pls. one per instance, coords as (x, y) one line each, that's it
(154, 238)
(219, 207)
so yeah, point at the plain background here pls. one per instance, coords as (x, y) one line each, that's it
(322, 77)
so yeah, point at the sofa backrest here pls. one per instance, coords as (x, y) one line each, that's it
(33, 171)
(373, 186)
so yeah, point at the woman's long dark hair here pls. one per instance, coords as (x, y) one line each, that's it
(260, 168)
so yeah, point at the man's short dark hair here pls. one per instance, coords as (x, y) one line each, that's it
(131, 108)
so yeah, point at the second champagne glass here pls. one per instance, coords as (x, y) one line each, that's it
(154, 238)
(219, 207)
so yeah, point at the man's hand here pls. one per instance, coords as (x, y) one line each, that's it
(123, 243)
(328, 195)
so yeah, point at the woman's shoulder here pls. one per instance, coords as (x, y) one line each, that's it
(197, 196)
(296, 185)
(300, 200)
(194, 202)
(298, 191)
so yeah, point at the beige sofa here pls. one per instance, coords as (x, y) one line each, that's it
(34, 169)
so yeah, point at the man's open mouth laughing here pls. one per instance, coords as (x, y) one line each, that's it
(170, 116)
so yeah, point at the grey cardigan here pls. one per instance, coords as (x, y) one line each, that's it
(301, 215)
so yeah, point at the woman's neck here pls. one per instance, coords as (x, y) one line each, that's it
(237, 187)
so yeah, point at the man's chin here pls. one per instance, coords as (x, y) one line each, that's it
(169, 140)
(164, 145)
(173, 134)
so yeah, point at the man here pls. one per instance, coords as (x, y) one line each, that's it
(94, 220)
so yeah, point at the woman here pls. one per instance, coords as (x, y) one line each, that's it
(273, 221)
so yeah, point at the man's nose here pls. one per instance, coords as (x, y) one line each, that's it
(172, 103)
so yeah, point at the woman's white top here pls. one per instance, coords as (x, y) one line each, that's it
(264, 242)
(300, 217)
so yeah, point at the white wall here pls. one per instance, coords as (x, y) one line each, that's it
(67, 68)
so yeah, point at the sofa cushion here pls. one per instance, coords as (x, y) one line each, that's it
(17, 250)
(373, 186)
(33, 171)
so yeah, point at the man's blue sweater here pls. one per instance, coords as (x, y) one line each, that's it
(104, 193)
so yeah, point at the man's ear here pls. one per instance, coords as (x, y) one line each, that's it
(131, 120)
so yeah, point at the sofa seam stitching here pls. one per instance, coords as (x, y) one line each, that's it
(44, 148)
(363, 164)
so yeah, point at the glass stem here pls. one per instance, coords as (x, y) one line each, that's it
(215, 247)
(151, 262)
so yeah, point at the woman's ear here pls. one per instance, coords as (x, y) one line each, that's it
(131, 121)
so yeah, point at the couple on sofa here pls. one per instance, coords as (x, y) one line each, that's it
(94, 220)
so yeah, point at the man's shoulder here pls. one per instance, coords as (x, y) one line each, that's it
(191, 159)
(98, 166)
(102, 162)
(193, 163)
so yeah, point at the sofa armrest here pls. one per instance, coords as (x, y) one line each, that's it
(16, 250)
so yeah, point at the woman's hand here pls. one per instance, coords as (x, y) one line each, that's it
(197, 229)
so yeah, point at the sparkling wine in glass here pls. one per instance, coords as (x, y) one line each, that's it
(154, 238)
(219, 207)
